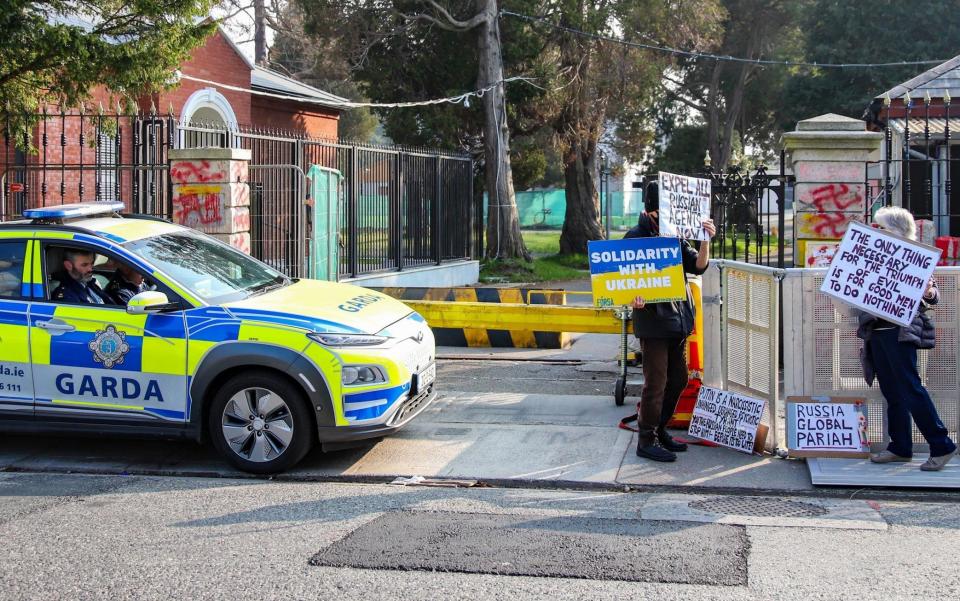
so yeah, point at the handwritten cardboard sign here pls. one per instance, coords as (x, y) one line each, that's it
(880, 273)
(827, 427)
(726, 418)
(621, 270)
(684, 206)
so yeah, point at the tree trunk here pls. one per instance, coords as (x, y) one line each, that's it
(259, 32)
(582, 220)
(503, 224)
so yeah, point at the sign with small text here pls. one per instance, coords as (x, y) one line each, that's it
(726, 418)
(827, 427)
(880, 273)
(684, 206)
(621, 270)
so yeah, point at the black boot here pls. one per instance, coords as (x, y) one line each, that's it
(648, 449)
(667, 441)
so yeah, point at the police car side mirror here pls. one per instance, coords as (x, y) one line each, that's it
(150, 301)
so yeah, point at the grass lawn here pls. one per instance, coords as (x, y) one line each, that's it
(547, 264)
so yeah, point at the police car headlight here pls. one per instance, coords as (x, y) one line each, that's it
(347, 339)
(362, 374)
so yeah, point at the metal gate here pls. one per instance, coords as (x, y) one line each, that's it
(742, 320)
(822, 351)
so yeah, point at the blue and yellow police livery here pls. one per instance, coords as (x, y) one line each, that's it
(212, 343)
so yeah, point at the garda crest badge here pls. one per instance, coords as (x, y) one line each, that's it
(109, 346)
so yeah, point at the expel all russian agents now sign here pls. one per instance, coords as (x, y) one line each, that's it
(621, 270)
(880, 273)
(684, 206)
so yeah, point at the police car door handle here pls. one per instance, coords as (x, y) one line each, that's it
(55, 325)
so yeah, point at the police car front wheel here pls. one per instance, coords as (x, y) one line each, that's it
(260, 424)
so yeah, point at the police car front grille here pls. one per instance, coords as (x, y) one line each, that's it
(411, 407)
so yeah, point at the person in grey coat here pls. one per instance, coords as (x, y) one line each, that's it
(889, 354)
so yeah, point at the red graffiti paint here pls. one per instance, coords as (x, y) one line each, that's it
(192, 209)
(194, 172)
(834, 197)
(829, 226)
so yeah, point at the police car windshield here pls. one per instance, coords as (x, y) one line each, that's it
(212, 270)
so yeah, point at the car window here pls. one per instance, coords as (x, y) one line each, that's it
(11, 268)
(112, 280)
(214, 271)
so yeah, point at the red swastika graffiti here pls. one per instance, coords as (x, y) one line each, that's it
(829, 226)
(193, 209)
(834, 197)
(194, 172)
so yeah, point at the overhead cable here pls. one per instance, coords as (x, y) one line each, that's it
(459, 99)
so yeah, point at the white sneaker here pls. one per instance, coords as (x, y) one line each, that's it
(888, 457)
(935, 464)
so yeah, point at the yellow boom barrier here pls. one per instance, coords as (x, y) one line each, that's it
(507, 316)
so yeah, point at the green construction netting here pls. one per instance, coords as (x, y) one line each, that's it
(325, 193)
(546, 208)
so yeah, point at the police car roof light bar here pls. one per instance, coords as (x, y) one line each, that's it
(56, 214)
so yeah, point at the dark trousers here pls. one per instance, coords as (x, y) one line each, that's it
(896, 367)
(664, 378)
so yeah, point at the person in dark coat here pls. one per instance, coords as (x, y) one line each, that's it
(889, 354)
(662, 329)
(126, 283)
(77, 284)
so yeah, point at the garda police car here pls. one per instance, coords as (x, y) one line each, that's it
(212, 343)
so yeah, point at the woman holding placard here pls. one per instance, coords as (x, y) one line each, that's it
(662, 329)
(890, 354)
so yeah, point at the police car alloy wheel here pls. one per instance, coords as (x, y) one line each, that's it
(259, 423)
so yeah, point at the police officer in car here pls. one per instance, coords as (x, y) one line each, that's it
(125, 284)
(77, 284)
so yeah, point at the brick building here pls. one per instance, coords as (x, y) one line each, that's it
(219, 90)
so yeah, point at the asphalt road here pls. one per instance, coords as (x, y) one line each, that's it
(697, 532)
(122, 537)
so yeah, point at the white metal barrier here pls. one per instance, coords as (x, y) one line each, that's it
(822, 352)
(742, 320)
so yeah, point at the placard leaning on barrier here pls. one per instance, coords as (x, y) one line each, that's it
(887, 277)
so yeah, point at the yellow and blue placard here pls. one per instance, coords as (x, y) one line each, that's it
(621, 270)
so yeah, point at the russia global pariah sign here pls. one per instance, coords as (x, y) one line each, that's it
(621, 270)
(684, 206)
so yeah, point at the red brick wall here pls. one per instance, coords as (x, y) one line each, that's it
(315, 122)
(214, 61)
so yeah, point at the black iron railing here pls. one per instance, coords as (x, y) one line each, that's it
(399, 207)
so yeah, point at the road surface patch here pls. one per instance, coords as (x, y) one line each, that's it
(564, 547)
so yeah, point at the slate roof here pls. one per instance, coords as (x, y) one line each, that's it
(943, 78)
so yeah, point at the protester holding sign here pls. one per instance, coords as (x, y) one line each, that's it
(890, 355)
(662, 329)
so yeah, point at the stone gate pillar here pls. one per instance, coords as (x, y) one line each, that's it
(211, 194)
(829, 154)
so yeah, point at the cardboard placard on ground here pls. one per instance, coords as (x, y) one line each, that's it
(825, 426)
(684, 206)
(621, 270)
(727, 418)
(880, 273)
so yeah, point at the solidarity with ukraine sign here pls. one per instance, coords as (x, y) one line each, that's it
(621, 270)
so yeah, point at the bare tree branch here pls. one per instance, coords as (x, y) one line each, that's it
(474, 21)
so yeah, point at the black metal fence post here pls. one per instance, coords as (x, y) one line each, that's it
(436, 227)
(352, 234)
